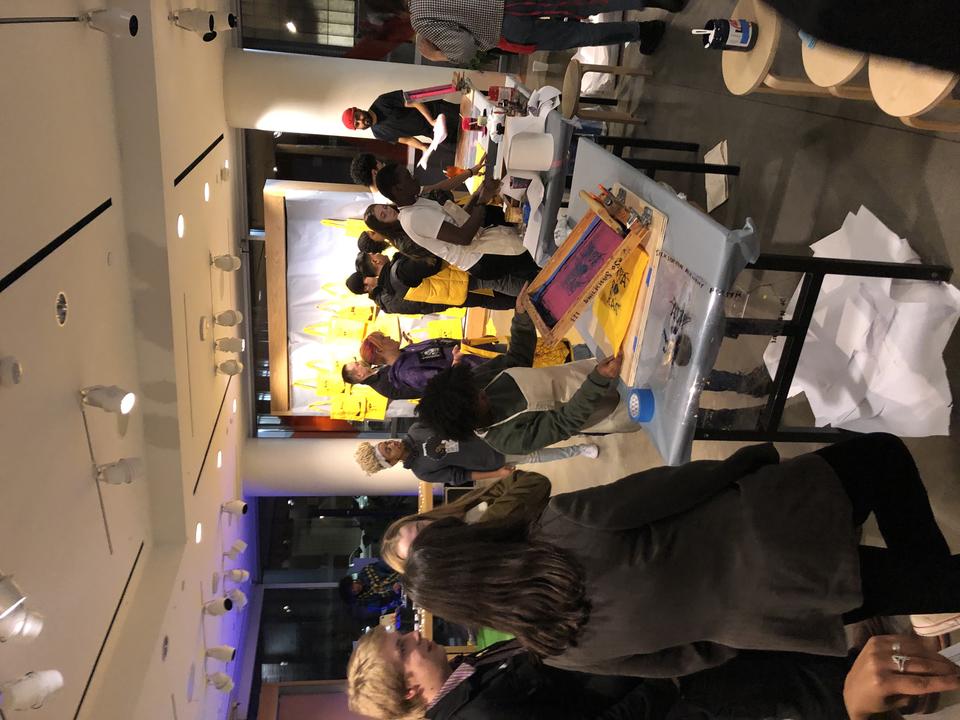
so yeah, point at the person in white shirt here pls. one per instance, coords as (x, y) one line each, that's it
(455, 234)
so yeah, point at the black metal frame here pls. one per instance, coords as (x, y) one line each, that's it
(795, 331)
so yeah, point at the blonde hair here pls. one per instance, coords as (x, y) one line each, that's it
(458, 509)
(375, 686)
(366, 458)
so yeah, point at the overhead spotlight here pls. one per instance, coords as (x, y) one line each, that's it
(30, 691)
(113, 22)
(290, 26)
(202, 22)
(227, 263)
(229, 318)
(223, 21)
(234, 507)
(239, 598)
(231, 344)
(237, 575)
(221, 681)
(218, 606)
(230, 367)
(226, 653)
(16, 622)
(11, 371)
(236, 549)
(122, 472)
(109, 397)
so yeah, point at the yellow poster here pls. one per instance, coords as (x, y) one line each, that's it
(614, 304)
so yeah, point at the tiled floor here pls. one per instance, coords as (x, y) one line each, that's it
(805, 164)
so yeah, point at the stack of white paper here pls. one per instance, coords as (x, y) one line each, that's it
(873, 357)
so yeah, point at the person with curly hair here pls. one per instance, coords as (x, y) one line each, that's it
(517, 409)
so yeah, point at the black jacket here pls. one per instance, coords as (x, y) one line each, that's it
(380, 381)
(391, 288)
(510, 684)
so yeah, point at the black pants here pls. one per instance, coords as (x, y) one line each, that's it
(915, 573)
(556, 33)
(491, 267)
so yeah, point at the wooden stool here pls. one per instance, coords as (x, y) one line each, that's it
(833, 67)
(906, 90)
(571, 98)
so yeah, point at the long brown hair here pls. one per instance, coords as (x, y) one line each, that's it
(494, 574)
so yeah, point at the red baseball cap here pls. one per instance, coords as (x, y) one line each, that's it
(368, 351)
(348, 118)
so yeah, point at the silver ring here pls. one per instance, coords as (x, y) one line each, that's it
(896, 647)
(901, 661)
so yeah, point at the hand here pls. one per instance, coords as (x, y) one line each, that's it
(876, 685)
(610, 368)
(506, 471)
(460, 80)
(429, 50)
(488, 189)
(457, 356)
(520, 308)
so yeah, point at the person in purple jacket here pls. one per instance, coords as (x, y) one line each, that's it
(412, 367)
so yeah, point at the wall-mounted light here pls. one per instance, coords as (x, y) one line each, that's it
(227, 263)
(234, 507)
(16, 621)
(111, 21)
(231, 344)
(239, 598)
(218, 606)
(229, 318)
(236, 549)
(31, 690)
(226, 653)
(221, 681)
(109, 397)
(237, 575)
(202, 22)
(122, 472)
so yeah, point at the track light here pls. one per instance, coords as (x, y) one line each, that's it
(236, 549)
(221, 681)
(109, 397)
(122, 472)
(230, 367)
(226, 653)
(218, 606)
(30, 691)
(11, 371)
(229, 318)
(227, 263)
(239, 598)
(234, 507)
(202, 22)
(237, 575)
(16, 622)
(223, 21)
(112, 21)
(231, 344)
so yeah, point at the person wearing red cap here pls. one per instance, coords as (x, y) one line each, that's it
(392, 119)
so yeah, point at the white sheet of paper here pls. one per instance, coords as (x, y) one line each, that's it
(439, 135)
(718, 186)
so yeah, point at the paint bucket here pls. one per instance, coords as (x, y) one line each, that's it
(722, 34)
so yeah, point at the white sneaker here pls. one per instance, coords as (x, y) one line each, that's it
(933, 625)
(590, 451)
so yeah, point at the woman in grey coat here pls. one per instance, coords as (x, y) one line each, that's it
(673, 570)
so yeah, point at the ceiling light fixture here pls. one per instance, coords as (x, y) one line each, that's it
(290, 26)
(234, 406)
(198, 533)
(30, 691)
(11, 371)
(237, 575)
(201, 22)
(229, 318)
(227, 263)
(234, 507)
(108, 397)
(181, 226)
(221, 681)
(112, 21)
(239, 598)
(231, 344)
(16, 622)
(223, 21)
(236, 549)
(226, 653)
(218, 606)
(230, 367)
(219, 459)
(206, 192)
(122, 472)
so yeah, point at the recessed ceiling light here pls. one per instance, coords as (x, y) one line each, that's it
(290, 26)
(219, 458)
(180, 226)
(206, 192)
(274, 168)
(198, 535)
(234, 406)
(226, 164)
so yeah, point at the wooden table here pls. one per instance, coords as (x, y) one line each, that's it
(907, 90)
(747, 72)
(833, 67)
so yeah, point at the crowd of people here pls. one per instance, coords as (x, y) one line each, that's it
(715, 589)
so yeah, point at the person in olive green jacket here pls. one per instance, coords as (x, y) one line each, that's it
(517, 409)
